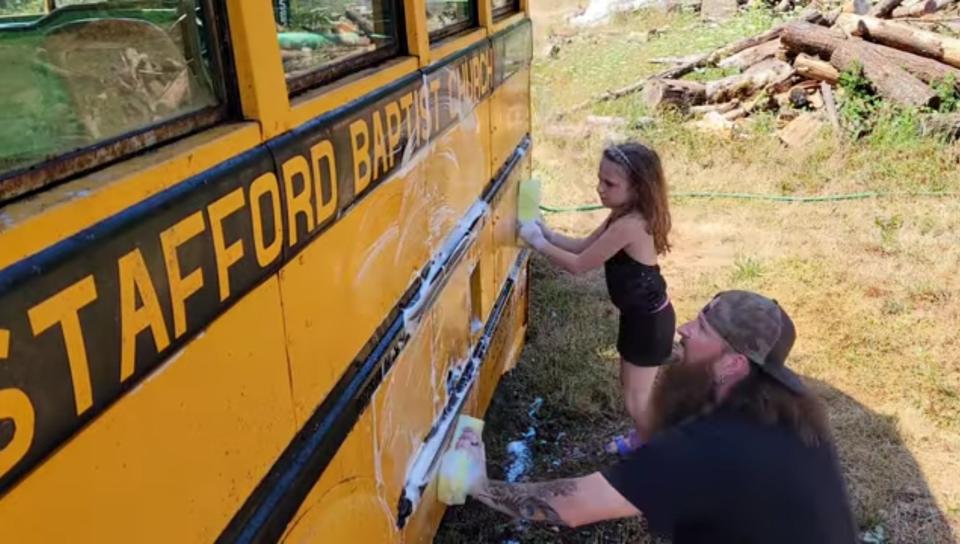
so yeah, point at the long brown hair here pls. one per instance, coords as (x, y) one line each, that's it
(685, 391)
(766, 400)
(645, 174)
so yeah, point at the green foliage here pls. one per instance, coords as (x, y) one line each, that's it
(860, 102)
(746, 269)
(763, 123)
(711, 73)
(313, 16)
(889, 230)
(894, 149)
(946, 89)
(894, 128)
(864, 113)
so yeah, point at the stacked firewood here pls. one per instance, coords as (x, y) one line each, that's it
(794, 69)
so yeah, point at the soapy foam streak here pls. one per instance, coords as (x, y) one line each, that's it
(434, 278)
(427, 458)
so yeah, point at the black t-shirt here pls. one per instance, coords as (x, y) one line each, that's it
(726, 478)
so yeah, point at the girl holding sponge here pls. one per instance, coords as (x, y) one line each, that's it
(627, 244)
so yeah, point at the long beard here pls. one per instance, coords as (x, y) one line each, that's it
(684, 390)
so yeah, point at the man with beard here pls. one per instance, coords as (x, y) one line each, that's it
(741, 450)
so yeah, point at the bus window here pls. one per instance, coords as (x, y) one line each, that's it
(16, 9)
(323, 40)
(448, 17)
(502, 8)
(517, 48)
(64, 3)
(86, 83)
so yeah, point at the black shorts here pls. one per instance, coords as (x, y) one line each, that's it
(647, 339)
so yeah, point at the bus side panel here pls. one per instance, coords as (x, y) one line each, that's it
(503, 353)
(358, 269)
(504, 210)
(361, 502)
(510, 103)
(339, 289)
(349, 501)
(458, 169)
(345, 503)
(382, 446)
(509, 116)
(450, 334)
(422, 380)
(91, 316)
(175, 458)
(350, 511)
(486, 251)
(508, 247)
(515, 321)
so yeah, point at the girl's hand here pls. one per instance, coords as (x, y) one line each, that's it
(544, 229)
(531, 234)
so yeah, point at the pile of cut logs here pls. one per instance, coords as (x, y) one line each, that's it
(794, 69)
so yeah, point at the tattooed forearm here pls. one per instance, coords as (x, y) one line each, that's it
(532, 502)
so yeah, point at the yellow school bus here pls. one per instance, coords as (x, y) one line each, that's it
(255, 258)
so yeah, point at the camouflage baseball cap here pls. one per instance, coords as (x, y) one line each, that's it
(760, 329)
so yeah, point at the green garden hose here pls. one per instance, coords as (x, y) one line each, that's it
(770, 198)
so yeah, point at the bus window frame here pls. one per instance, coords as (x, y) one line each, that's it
(503, 12)
(319, 77)
(458, 29)
(26, 180)
(419, 53)
(325, 75)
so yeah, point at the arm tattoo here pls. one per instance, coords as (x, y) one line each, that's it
(532, 502)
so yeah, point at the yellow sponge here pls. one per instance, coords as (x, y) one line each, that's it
(457, 469)
(528, 200)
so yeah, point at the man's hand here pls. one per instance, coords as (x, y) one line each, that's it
(472, 445)
(571, 502)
